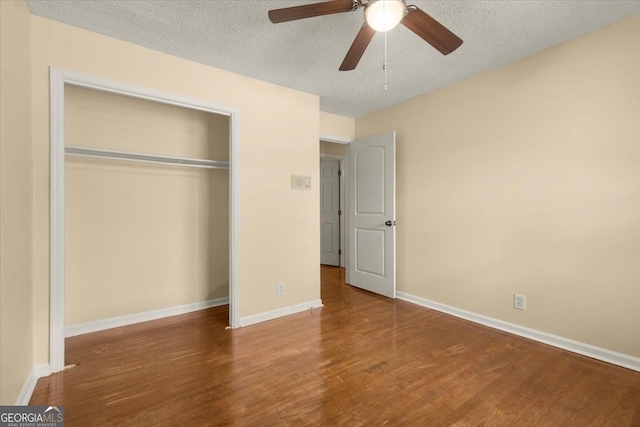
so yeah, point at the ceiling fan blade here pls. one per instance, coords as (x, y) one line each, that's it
(310, 10)
(433, 32)
(357, 48)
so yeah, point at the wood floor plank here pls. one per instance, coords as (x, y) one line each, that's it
(362, 359)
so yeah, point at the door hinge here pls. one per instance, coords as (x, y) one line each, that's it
(339, 173)
(339, 251)
(339, 212)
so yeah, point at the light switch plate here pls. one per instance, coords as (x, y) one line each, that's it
(300, 182)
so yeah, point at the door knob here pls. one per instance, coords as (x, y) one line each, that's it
(390, 223)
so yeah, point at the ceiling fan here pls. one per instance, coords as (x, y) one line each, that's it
(379, 15)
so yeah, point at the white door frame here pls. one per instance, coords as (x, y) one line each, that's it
(58, 79)
(343, 204)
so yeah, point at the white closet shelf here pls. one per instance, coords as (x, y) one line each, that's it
(143, 157)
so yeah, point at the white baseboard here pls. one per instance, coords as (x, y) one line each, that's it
(280, 312)
(114, 322)
(30, 383)
(584, 349)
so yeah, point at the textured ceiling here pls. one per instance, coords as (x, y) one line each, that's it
(305, 54)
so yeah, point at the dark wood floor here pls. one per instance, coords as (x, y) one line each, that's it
(360, 360)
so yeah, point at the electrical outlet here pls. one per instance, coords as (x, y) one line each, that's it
(519, 302)
(281, 288)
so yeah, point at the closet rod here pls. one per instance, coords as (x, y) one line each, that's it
(145, 158)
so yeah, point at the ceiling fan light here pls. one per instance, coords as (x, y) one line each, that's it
(383, 15)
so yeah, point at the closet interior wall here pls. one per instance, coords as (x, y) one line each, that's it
(142, 237)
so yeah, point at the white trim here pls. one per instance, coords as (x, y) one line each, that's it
(30, 383)
(345, 224)
(584, 349)
(234, 219)
(58, 79)
(131, 319)
(345, 212)
(279, 312)
(111, 86)
(344, 182)
(56, 221)
(335, 139)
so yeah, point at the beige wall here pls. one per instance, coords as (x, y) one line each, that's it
(333, 148)
(337, 126)
(16, 332)
(141, 237)
(279, 236)
(526, 180)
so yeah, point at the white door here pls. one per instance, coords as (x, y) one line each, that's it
(329, 212)
(372, 214)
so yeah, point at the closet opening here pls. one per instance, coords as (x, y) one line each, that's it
(144, 201)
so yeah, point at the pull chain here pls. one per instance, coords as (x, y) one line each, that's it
(384, 63)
